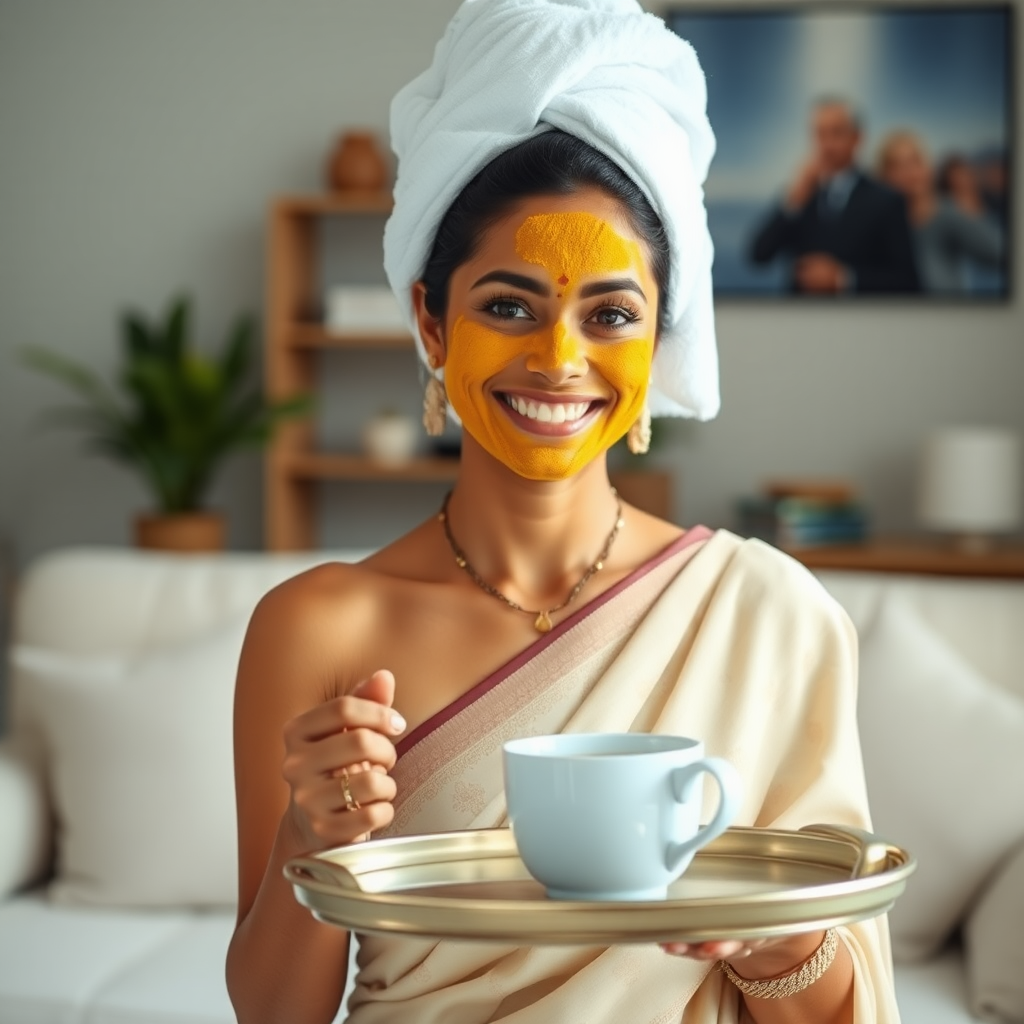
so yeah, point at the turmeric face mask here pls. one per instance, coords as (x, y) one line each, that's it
(548, 376)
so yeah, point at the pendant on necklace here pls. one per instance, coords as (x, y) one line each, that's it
(542, 623)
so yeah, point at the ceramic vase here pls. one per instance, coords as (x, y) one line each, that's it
(390, 438)
(357, 163)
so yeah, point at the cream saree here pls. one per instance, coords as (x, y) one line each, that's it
(719, 638)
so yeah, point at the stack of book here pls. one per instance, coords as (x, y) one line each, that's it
(804, 514)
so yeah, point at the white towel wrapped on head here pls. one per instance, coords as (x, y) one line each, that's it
(603, 71)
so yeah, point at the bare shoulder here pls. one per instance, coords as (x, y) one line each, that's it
(302, 642)
(351, 588)
(298, 604)
(324, 625)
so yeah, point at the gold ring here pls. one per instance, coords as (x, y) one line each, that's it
(346, 792)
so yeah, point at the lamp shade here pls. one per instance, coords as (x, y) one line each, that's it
(971, 480)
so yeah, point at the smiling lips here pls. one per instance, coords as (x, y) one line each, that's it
(549, 417)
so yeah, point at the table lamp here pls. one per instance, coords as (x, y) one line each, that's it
(970, 484)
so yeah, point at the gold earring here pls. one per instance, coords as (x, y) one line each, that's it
(638, 440)
(435, 403)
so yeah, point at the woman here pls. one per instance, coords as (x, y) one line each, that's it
(950, 230)
(540, 280)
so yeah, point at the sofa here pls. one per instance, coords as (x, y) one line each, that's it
(117, 846)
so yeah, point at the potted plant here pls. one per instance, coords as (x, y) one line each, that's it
(174, 416)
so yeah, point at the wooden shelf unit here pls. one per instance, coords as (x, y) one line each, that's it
(313, 336)
(294, 339)
(917, 555)
(327, 466)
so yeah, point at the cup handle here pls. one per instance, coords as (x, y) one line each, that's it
(730, 786)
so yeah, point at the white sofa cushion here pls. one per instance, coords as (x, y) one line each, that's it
(943, 756)
(100, 600)
(180, 980)
(25, 813)
(57, 960)
(933, 991)
(141, 769)
(68, 965)
(994, 944)
(979, 618)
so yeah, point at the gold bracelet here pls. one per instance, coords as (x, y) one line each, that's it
(797, 980)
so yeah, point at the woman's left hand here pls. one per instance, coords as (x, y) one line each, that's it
(729, 949)
(753, 958)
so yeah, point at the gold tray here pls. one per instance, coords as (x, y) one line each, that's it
(748, 883)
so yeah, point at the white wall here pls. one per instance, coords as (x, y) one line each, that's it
(139, 146)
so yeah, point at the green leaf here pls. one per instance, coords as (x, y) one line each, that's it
(237, 355)
(175, 413)
(202, 377)
(177, 330)
(76, 376)
(137, 336)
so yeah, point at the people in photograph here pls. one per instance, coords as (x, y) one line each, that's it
(550, 248)
(990, 172)
(842, 231)
(951, 230)
(958, 180)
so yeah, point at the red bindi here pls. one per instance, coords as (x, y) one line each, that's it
(563, 280)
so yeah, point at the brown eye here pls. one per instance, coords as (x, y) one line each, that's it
(614, 317)
(506, 309)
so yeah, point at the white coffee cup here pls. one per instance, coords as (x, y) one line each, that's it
(612, 816)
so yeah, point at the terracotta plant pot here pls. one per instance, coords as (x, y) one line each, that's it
(188, 532)
(357, 163)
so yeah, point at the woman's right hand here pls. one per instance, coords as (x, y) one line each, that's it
(346, 740)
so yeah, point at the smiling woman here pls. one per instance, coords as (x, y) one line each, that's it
(549, 247)
(550, 372)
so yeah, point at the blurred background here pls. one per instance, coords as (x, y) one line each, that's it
(167, 150)
(141, 147)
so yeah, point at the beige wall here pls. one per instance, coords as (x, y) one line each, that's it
(139, 145)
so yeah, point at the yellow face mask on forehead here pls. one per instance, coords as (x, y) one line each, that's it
(572, 247)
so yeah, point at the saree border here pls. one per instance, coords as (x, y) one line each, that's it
(692, 536)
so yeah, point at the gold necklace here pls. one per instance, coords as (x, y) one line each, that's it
(542, 621)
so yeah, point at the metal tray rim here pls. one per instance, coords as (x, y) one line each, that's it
(553, 922)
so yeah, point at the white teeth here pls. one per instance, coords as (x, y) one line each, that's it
(543, 412)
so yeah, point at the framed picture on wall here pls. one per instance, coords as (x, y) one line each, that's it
(863, 150)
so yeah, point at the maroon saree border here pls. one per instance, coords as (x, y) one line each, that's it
(475, 692)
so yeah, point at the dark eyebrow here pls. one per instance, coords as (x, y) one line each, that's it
(617, 284)
(528, 284)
